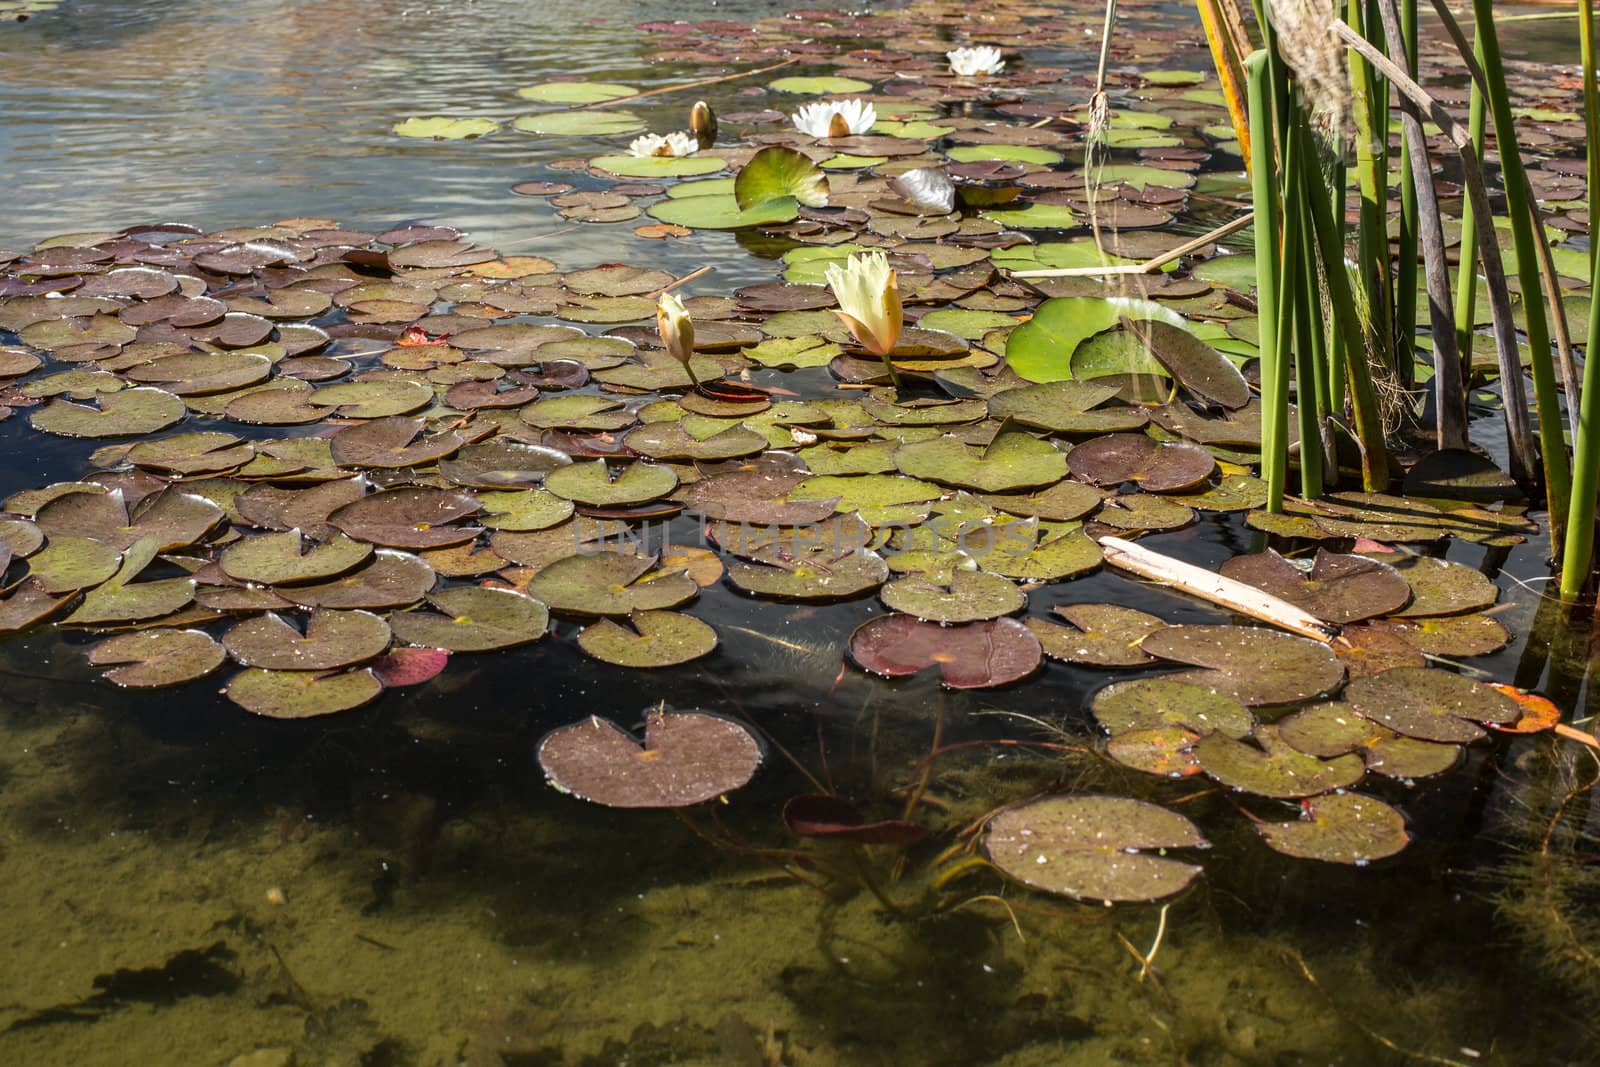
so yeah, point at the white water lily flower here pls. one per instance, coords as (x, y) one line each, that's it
(869, 303)
(984, 59)
(835, 118)
(673, 144)
(676, 329)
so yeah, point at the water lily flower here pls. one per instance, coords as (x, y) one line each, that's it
(835, 118)
(984, 59)
(673, 144)
(869, 304)
(676, 328)
(703, 124)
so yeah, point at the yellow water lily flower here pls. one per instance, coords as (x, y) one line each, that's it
(677, 331)
(869, 303)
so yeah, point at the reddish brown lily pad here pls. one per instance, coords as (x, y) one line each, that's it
(1130, 457)
(1250, 664)
(332, 639)
(832, 818)
(412, 517)
(687, 757)
(1430, 704)
(975, 655)
(1338, 588)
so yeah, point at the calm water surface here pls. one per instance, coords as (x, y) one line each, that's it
(184, 884)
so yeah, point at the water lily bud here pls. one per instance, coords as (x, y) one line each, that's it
(703, 124)
(677, 330)
(869, 303)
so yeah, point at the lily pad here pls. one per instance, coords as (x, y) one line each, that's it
(151, 659)
(609, 583)
(129, 413)
(687, 757)
(591, 123)
(1130, 457)
(68, 564)
(388, 579)
(1067, 407)
(658, 166)
(279, 558)
(1100, 635)
(819, 85)
(409, 518)
(1439, 587)
(776, 172)
(1333, 728)
(649, 639)
(575, 92)
(725, 212)
(27, 603)
(444, 128)
(1250, 664)
(391, 442)
(974, 655)
(1338, 588)
(969, 596)
(1429, 704)
(1010, 462)
(598, 484)
(1343, 828)
(121, 599)
(1040, 350)
(1197, 366)
(1165, 751)
(473, 618)
(302, 694)
(1276, 768)
(332, 639)
(1148, 703)
(1447, 635)
(1087, 847)
(172, 519)
(808, 568)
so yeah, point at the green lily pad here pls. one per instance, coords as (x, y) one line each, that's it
(1100, 635)
(687, 757)
(1041, 349)
(808, 570)
(1165, 751)
(1439, 587)
(279, 558)
(1252, 665)
(473, 618)
(596, 483)
(883, 405)
(1197, 366)
(1067, 407)
(193, 453)
(874, 497)
(972, 655)
(389, 579)
(597, 413)
(650, 639)
(969, 596)
(121, 599)
(302, 694)
(524, 509)
(332, 639)
(1062, 502)
(575, 92)
(776, 173)
(1276, 768)
(1429, 704)
(1234, 492)
(1087, 847)
(1148, 703)
(595, 123)
(1343, 828)
(1143, 513)
(1338, 588)
(198, 373)
(1332, 729)
(724, 212)
(151, 659)
(1014, 153)
(444, 128)
(806, 350)
(1448, 635)
(1011, 461)
(68, 564)
(129, 413)
(821, 85)
(670, 440)
(609, 583)
(658, 166)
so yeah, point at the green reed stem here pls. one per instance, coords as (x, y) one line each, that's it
(1405, 284)
(1467, 274)
(1372, 249)
(1310, 347)
(1547, 404)
(1337, 350)
(1264, 187)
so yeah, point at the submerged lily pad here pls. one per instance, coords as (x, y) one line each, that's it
(974, 655)
(1276, 768)
(1252, 665)
(1343, 828)
(1430, 704)
(649, 639)
(302, 694)
(149, 659)
(1338, 588)
(687, 757)
(1087, 847)
(473, 619)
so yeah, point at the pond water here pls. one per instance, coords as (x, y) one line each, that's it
(183, 883)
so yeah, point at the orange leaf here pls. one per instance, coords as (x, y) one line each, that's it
(1538, 713)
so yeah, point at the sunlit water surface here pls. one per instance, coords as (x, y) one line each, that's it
(183, 884)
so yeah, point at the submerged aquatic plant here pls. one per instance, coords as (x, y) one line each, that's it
(984, 59)
(673, 145)
(835, 118)
(868, 292)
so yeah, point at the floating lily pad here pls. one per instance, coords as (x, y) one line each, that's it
(599, 484)
(1087, 847)
(444, 128)
(810, 569)
(524, 509)
(969, 596)
(473, 619)
(974, 655)
(648, 639)
(658, 166)
(609, 583)
(776, 172)
(1276, 768)
(409, 518)
(1041, 349)
(687, 757)
(68, 564)
(1100, 635)
(670, 440)
(27, 603)
(1252, 665)
(302, 694)
(192, 453)
(1011, 461)
(391, 442)
(575, 92)
(1130, 457)
(1332, 729)
(503, 464)
(725, 212)
(150, 659)
(332, 639)
(1148, 703)
(172, 519)
(121, 599)
(1343, 828)
(1067, 407)
(590, 123)
(1197, 366)
(1439, 587)
(1447, 635)
(1429, 704)
(1165, 751)
(819, 85)
(1062, 502)
(756, 496)
(389, 579)
(1338, 588)
(1365, 651)
(1456, 474)
(129, 413)
(278, 558)
(409, 666)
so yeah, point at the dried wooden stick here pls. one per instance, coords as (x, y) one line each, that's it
(1149, 266)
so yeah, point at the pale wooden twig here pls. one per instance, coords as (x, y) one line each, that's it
(687, 85)
(691, 276)
(1149, 266)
